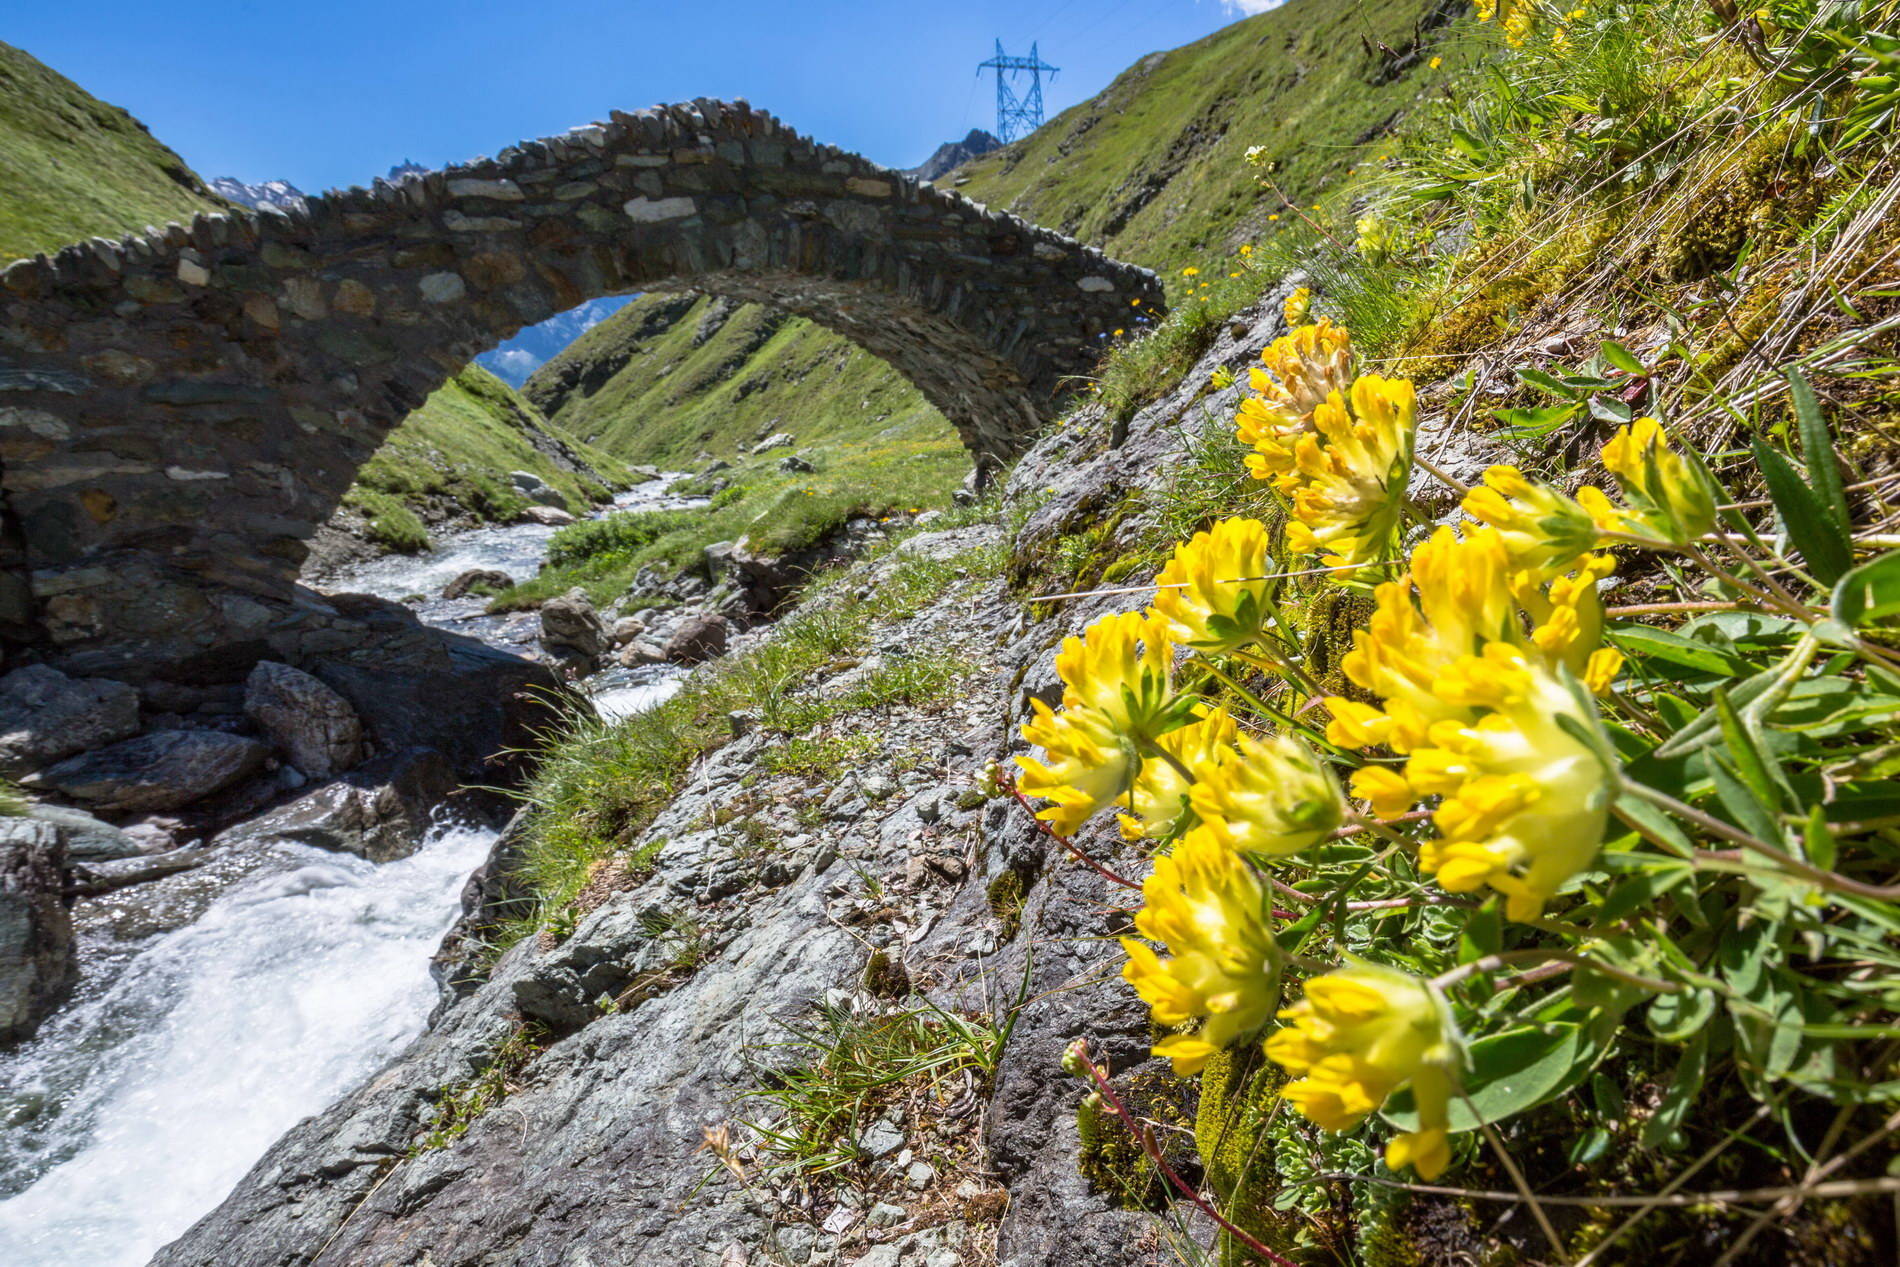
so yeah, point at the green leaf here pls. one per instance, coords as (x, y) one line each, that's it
(1679, 1093)
(1817, 451)
(1534, 422)
(1550, 383)
(1616, 354)
(1869, 593)
(1508, 1073)
(1751, 762)
(1483, 933)
(1676, 1017)
(1659, 644)
(1820, 539)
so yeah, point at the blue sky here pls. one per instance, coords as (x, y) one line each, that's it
(333, 93)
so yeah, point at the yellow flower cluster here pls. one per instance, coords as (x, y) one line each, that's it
(1668, 503)
(1117, 682)
(1359, 1034)
(1210, 910)
(1519, 19)
(1339, 447)
(1214, 591)
(1496, 721)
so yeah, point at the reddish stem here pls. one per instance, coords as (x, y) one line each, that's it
(1099, 1076)
(1008, 784)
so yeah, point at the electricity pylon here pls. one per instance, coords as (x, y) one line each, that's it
(1017, 116)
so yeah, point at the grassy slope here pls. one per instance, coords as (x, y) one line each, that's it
(456, 452)
(73, 167)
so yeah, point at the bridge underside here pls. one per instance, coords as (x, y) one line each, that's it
(180, 411)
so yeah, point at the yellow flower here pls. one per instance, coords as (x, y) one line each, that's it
(1350, 473)
(1298, 305)
(1089, 767)
(1359, 1034)
(1668, 501)
(1541, 527)
(1211, 591)
(1301, 370)
(1159, 797)
(1190, 271)
(1246, 248)
(1375, 235)
(1492, 717)
(1267, 796)
(1123, 667)
(1208, 908)
(1118, 333)
(1117, 694)
(1435, 63)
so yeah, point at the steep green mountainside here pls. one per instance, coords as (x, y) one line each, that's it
(451, 459)
(73, 167)
(1152, 169)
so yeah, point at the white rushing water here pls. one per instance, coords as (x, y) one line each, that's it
(216, 1039)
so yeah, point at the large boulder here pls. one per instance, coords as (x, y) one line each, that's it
(379, 811)
(570, 623)
(45, 715)
(536, 489)
(87, 839)
(550, 516)
(313, 725)
(699, 637)
(37, 961)
(166, 769)
(487, 578)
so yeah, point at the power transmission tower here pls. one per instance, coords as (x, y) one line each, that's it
(1017, 116)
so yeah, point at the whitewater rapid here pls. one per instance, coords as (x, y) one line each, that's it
(137, 1111)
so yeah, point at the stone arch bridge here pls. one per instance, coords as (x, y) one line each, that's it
(180, 410)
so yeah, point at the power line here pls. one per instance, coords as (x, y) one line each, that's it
(1017, 116)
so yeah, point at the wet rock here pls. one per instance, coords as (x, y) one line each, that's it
(163, 770)
(627, 629)
(536, 489)
(551, 516)
(379, 811)
(487, 578)
(87, 838)
(45, 715)
(699, 637)
(638, 653)
(37, 962)
(313, 725)
(570, 623)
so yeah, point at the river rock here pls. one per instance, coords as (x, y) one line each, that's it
(627, 629)
(163, 770)
(87, 839)
(571, 623)
(699, 637)
(489, 578)
(45, 715)
(313, 725)
(551, 516)
(639, 652)
(37, 962)
(536, 489)
(380, 810)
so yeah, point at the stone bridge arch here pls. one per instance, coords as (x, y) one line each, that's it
(180, 410)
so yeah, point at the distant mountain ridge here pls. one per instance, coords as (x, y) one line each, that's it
(954, 154)
(271, 193)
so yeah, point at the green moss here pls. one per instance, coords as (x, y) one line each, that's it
(1238, 1097)
(73, 167)
(1006, 895)
(885, 977)
(1114, 1161)
(390, 523)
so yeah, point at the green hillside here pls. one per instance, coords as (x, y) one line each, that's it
(73, 167)
(452, 458)
(1153, 169)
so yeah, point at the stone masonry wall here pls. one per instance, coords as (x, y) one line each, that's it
(180, 410)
